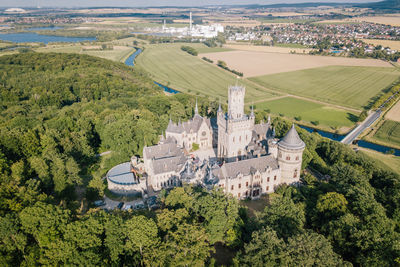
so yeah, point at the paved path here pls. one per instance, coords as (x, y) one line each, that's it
(360, 128)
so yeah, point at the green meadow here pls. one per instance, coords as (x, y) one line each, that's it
(171, 66)
(347, 86)
(291, 107)
(389, 133)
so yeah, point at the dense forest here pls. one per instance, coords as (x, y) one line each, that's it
(59, 110)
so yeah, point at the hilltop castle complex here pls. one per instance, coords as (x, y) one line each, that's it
(248, 160)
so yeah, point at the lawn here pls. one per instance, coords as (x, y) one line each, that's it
(343, 85)
(309, 111)
(393, 162)
(171, 66)
(119, 53)
(389, 133)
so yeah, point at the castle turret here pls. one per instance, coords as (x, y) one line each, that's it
(290, 154)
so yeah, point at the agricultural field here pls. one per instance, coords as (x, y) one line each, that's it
(389, 133)
(260, 63)
(267, 49)
(291, 107)
(118, 53)
(384, 43)
(391, 161)
(388, 20)
(171, 66)
(352, 87)
(394, 113)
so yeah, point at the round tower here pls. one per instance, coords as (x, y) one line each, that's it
(290, 156)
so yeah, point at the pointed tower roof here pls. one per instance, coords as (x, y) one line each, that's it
(269, 119)
(252, 111)
(196, 109)
(292, 140)
(219, 107)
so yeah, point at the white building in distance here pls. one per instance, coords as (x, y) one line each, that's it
(249, 160)
(202, 31)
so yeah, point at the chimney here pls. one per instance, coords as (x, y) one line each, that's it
(190, 27)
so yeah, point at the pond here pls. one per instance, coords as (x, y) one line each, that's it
(31, 37)
(360, 143)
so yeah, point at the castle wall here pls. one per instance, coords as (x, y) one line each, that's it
(290, 164)
(252, 186)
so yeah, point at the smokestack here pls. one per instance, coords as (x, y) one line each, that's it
(190, 28)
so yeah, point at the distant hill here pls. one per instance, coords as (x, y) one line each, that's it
(392, 5)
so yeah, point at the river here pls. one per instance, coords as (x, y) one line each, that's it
(360, 143)
(130, 61)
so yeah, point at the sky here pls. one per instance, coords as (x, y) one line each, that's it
(144, 3)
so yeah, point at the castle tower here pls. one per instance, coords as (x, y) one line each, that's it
(190, 26)
(234, 128)
(236, 102)
(290, 156)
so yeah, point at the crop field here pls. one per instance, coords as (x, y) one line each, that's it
(394, 113)
(117, 54)
(291, 107)
(352, 87)
(384, 43)
(389, 133)
(388, 20)
(260, 63)
(171, 66)
(268, 49)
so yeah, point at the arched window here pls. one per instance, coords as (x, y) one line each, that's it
(297, 157)
(295, 174)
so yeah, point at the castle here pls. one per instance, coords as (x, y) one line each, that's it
(248, 161)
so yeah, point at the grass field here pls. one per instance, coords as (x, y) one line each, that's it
(117, 54)
(347, 86)
(389, 133)
(171, 66)
(309, 111)
(267, 49)
(393, 162)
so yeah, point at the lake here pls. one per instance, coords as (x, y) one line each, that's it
(32, 37)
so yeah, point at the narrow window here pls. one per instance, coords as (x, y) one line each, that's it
(275, 178)
(232, 187)
(268, 179)
(238, 195)
(247, 184)
(267, 188)
(240, 186)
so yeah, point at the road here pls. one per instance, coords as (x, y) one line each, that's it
(367, 122)
(360, 128)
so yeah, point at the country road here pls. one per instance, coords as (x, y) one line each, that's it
(360, 128)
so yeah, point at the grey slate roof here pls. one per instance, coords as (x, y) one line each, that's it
(249, 166)
(169, 149)
(292, 140)
(169, 164)
(121, 174)
(193, 124)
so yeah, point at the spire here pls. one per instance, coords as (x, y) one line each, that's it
(292, 140)
(269, 119)
(196, 109)
(273, 132)
(252, 111)
(219, 107)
